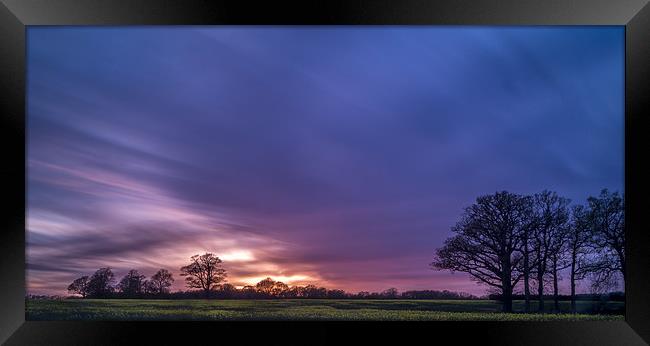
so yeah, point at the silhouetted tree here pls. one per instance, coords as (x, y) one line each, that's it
(558, 251)
(529, 261)
(265, 286)
(279, 289)
(552, 216)
(559, 261)
(363, 294)
(228, 290)
(149, 288)
(295, 292)
(336, 294)
(79, 286)
(270, 288)
(100, 284)
(131, 284)
(390, 293)
(314, 292)
(487, 243)
(205, 272)
(429, 294)
(607, 216)
(249, 292)
(161, 281)
(577, 242)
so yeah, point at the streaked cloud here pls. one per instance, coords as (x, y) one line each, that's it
(339, 156)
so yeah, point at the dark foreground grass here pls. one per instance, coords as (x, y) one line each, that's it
(303, 309)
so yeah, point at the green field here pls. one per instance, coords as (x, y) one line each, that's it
(303, 309)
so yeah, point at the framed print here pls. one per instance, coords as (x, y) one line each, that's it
(195, 171)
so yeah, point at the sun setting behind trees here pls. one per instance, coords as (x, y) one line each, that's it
(504, 241)
(207, 276)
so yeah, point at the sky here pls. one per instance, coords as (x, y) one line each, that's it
(336, 156)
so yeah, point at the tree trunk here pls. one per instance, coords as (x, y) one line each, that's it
(573, 283)
(526, 277)
(621, 257)
(507, 294)
(506, 284)
(507, 299)
(540, 289)
(556, 299)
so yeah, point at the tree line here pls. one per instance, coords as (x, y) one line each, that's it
(205, 278)
(512, 242)
(133, 285)
(204, 272)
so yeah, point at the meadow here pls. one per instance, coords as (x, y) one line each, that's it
(309, 309)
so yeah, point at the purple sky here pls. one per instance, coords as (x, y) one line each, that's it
(338, 156)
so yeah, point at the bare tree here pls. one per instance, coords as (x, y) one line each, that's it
(161, 281)
(607, 217)
(205, 272)
(579, 236)
(487, 244)
(148, 287)
(131, 284)
(79, 286)
(552, 216)
(529, 262)
(100, 284)
(558, 262)
(558, 250)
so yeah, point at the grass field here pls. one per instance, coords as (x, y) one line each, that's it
(301, 309)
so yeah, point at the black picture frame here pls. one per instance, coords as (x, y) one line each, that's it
(15, 15)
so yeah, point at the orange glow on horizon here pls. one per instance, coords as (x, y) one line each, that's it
(290, 280)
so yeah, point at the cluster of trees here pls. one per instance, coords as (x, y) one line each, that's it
(509, 241)
(205, 277)
(431, 294)
(204, 272)
(133, 285)
(268, 288)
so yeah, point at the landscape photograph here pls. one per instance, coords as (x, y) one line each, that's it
(351, 173)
